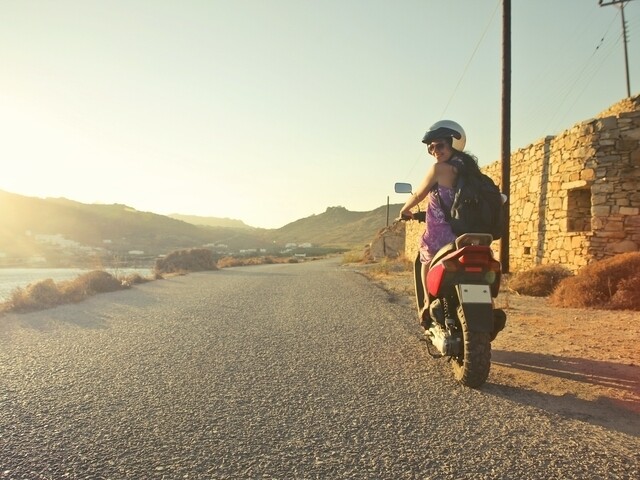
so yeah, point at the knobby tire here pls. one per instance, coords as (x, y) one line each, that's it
(471, 367)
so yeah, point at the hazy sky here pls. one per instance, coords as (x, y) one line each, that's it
(269, 111)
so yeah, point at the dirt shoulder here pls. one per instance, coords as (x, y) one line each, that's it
(580, 363)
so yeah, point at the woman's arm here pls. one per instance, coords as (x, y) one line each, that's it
(427, 184)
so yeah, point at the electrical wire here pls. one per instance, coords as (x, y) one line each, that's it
(548, 84)
(562, 92)
(464, 72)
(475, 50)
(578, 77)
(591, 77)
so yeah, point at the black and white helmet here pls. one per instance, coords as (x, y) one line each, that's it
(446, 129)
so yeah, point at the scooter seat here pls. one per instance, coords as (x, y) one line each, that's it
(443, 252)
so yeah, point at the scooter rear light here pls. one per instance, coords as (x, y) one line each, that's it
(473, 265)
(494, 266)
(494, 274)
(473, 269)
(475, 259)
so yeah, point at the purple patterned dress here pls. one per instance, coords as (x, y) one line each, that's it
(437, 231)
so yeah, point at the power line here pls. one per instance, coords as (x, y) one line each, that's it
(593, 74)
(624, 36)
(562, 92)
(461, 77)
(580, 75)
(471, 58)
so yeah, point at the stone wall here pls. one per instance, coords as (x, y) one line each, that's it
(414, 231)
(389, 242)
(574, 197)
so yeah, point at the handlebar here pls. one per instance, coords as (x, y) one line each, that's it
(417, 216)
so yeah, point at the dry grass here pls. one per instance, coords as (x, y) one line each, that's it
(355, 256)
(226, 262)
(47, 293)
(611, 284)
(540, 281)
(388, 266)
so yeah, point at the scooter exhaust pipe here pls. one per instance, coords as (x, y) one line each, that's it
(443, 341)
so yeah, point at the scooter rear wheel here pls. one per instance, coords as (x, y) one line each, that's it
(471, 367)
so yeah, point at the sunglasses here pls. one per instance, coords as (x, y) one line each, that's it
(432, 147)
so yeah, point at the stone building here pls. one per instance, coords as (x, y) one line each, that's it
(389, 242)
(574, 197)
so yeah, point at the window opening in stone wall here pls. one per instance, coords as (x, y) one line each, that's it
(579, 210)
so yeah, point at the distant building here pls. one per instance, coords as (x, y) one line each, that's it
(57, 239)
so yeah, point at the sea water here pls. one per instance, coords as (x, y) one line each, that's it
(12, 278)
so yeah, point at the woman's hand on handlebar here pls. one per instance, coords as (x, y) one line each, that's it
(405, 215)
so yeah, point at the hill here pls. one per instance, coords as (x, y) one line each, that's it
(338, 227)
(61, 229)
(60, 232)
(209, 221)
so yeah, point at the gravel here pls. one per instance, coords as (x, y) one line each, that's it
(294, 371)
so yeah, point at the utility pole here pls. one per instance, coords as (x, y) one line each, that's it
(387, 210)
(624, 36)
(506, 128)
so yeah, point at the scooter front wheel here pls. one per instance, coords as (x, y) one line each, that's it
(471, 367)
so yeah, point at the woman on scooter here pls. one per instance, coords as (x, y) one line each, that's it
(445, 141)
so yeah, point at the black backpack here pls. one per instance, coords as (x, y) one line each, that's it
(477, 205)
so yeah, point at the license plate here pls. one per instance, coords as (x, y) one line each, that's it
(474, 293)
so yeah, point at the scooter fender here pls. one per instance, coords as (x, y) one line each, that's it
(477, 307)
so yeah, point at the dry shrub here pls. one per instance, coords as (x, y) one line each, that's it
(355, 256)
(612, 284)
(90, 283)
(46, 293)
(190, 260)
(36, 296)
(134, 279)
(627, 297)
(540, 281)
(226, 262)
(253, 261)
(390, 266)
(99, 281)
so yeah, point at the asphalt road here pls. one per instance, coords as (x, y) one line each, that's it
(295, 371)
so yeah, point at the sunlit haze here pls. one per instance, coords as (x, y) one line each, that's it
(269, 111)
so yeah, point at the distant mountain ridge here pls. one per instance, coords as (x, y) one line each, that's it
(209, 221)
(34, 226)
(338, 226)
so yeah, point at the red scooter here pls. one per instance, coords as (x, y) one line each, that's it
(459, 315)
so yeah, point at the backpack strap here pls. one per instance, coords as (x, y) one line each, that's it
(447, 213)
(459, 165)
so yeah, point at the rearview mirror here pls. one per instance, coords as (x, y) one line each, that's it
(402, 188)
